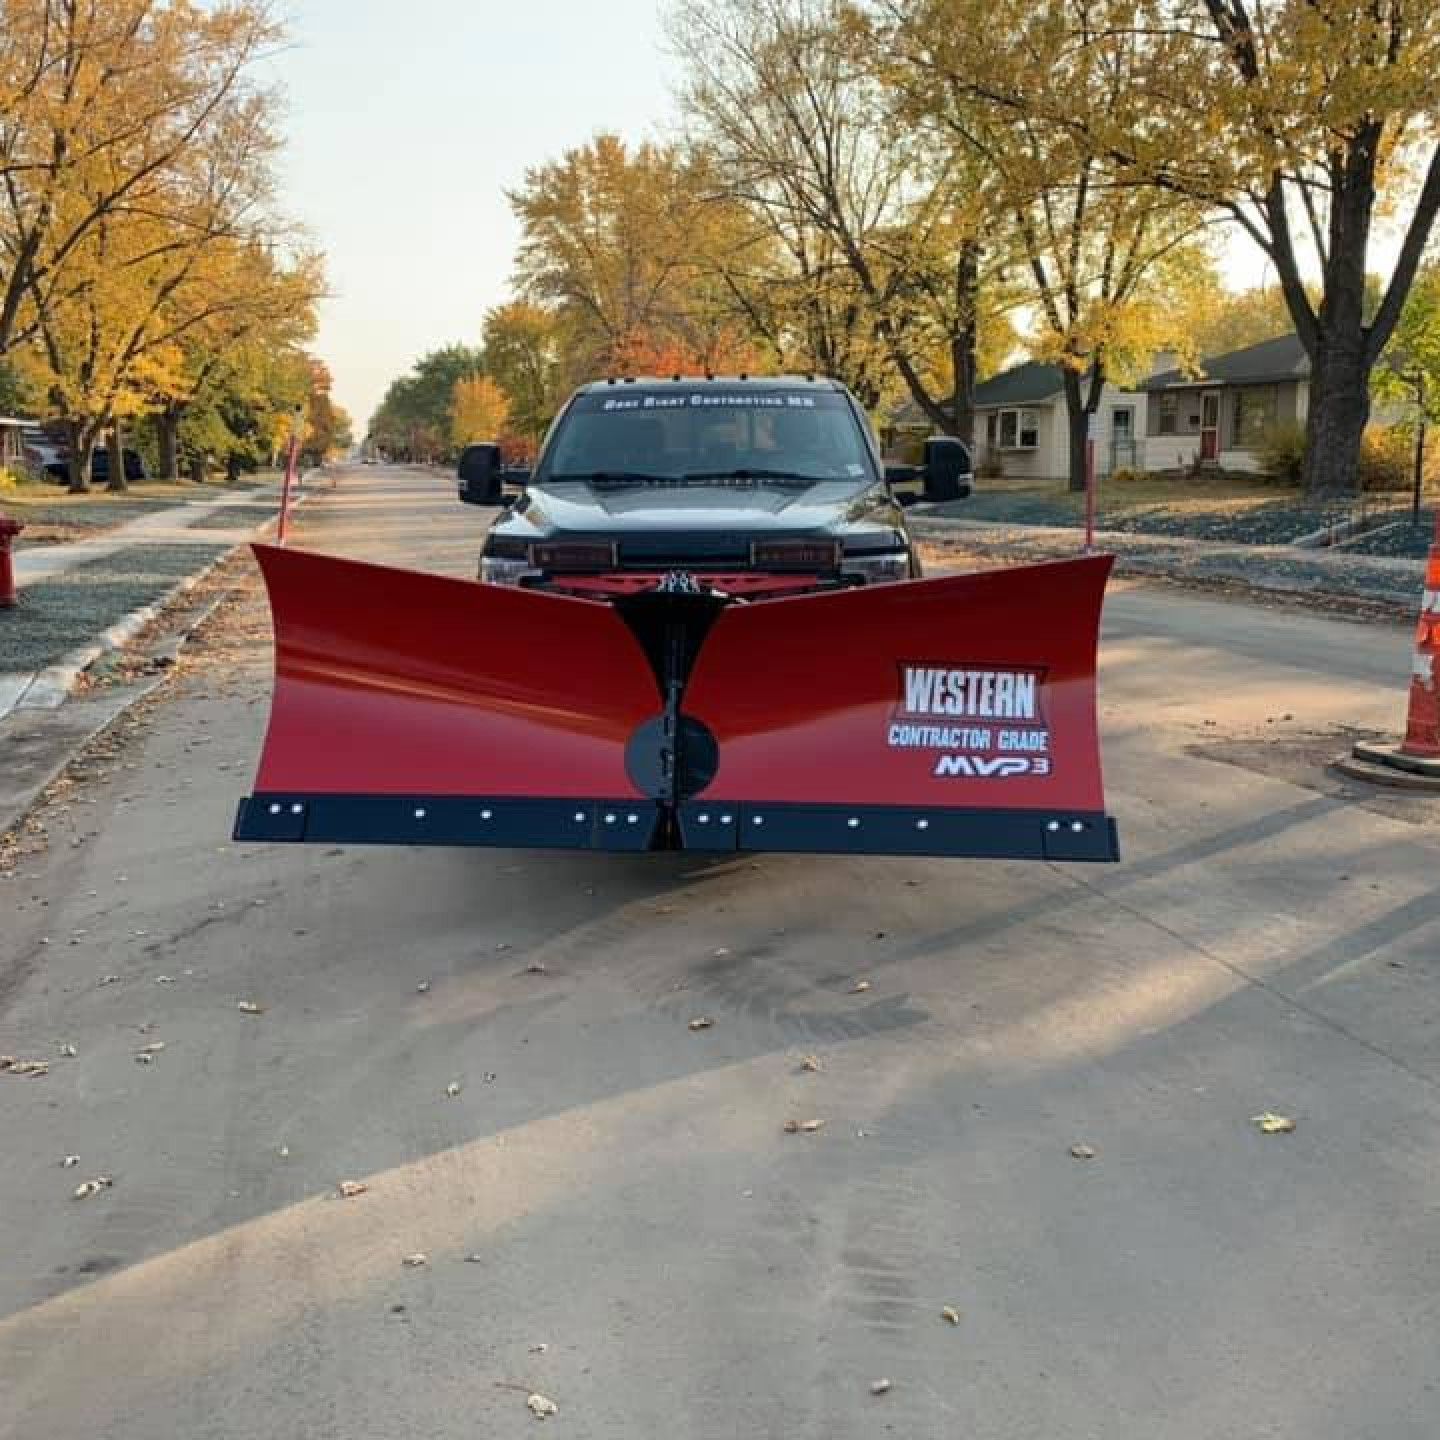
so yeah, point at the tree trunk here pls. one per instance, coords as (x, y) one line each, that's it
(116, 444)
(1077, 418)
(964, 342)
(1339, 412)
(167, 439)
(197, 469)
(82, 443)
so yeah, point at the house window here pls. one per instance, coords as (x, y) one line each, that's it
(990, 430)
(1019, 430)
(1255, 413)
(1169, 414)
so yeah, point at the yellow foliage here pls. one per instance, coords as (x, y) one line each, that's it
(479, 410)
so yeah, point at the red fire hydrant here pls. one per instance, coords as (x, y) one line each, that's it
(9, 529)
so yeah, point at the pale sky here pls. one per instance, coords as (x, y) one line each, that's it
(407, 122)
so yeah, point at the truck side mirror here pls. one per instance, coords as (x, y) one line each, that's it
(480, 472)
(949, 473)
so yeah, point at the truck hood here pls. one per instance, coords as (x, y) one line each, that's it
(751, 507)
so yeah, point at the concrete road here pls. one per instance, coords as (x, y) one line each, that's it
(609, 1209)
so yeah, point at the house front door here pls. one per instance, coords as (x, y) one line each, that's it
(1210, 425)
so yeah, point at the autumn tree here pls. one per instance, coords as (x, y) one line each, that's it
(413, 417)
(479, 410)
(520, 351)
(615, 243)
(1108, 264)
(101, 103)
(1312, 128)
(878, 232)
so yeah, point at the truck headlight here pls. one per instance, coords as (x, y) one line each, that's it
(878, 569)
(505, 561)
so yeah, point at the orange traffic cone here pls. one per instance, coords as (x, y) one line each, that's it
(1418, 754)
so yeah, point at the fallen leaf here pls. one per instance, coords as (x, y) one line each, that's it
(701, 1022)
(453, 1089)
(12, 1066)
(803, 1127)
(535, 968)
(87, 1188)
(249, 1007)
(153, 1048)
(68, 1052)
(541, 1407)
(143, 1059)
(349, 1189)
(1271, 1124)
(811, 1063)
(880, 1387)
(422, 987)
(859, 987)
(284, 1152)
(416, 1260)
(474, 1259)
(539, 1349)
(69, 1162)
(721, 952)
(1083, 1152)
(950, 1313)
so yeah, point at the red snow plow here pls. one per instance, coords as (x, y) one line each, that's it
(950, 716)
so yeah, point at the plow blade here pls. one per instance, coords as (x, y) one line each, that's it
(953, 716)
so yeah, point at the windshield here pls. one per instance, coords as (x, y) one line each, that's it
(709, 434)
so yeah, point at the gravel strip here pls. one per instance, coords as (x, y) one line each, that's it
(1244, 522)
(57, 616)
(1277, 568)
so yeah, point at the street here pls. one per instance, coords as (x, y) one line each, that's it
(602, 1204)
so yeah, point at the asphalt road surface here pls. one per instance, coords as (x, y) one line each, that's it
(610, 1210)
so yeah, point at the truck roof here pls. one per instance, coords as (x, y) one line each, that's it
(758, 382)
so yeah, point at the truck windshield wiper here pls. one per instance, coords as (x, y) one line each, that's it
(745, 473)
(611, 477)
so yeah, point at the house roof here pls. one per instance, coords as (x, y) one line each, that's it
(1282, 358)
(1020, 385)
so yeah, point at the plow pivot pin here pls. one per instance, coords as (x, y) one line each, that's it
(275, 809)
(1053, 826)
(758, 820)
(579, 816)
(704, 819)
(296, 809)
(922, 824)
(419, 814)
(725, 819)
(632, 819)
(1076, 826)
(486, 814)
(853, 822)
(609, 819)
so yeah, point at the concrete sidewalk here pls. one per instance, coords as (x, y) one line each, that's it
(176, 524)
(172, 549)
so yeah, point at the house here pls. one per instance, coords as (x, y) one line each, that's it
(1022, 426)
(12, 444)
(1220, 416)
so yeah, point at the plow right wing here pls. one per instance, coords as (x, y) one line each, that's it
(953, 716)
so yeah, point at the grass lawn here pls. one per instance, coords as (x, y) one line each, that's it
(1228, 508)
(56, 616)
